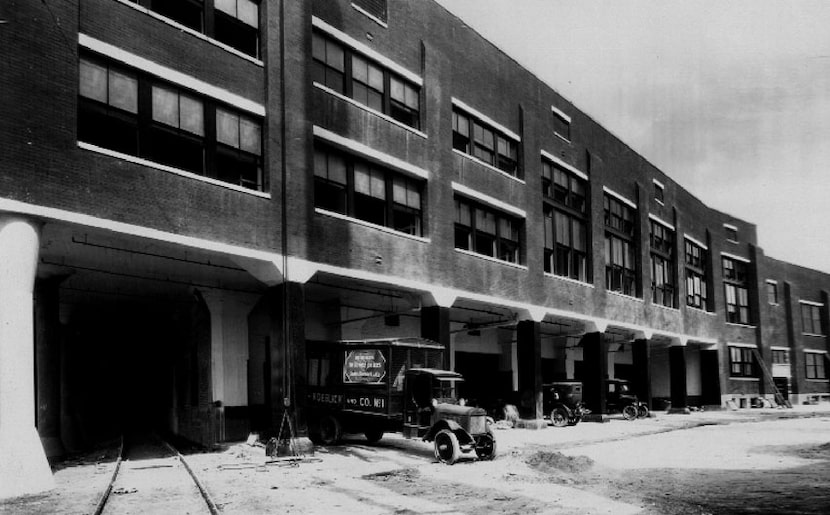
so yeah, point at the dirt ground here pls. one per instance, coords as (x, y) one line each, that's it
(753, 461)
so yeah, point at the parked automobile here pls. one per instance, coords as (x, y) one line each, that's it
(620, 399)
(562, 400)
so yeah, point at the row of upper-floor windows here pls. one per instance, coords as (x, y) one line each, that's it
(232, 22)
(135, 113)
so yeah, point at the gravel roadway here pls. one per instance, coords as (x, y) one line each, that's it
(747, 461)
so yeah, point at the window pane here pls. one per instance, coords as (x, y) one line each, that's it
(320, 163)
(579, 233)
(123, 91)
(361, 178)
(250, 135)
(335, 56)
(360, 70)
(318, 47)
(563, 226)
(165, 106)
(337, 168)
(485, 221)
(248, 12)
(462, 213)
(93, 81)
(375, 77)
(227, 6)
(227, 128)
(192, 115)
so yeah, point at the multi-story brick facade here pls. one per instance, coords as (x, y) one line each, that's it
(194, 192)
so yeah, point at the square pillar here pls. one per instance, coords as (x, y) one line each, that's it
(285, 363)
(595, 372)
(641, 354)
(710, 377)
(677, 381)
(529, 357)
(435, 326)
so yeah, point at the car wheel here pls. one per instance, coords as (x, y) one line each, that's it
(559, 417)
(642, 411)
(574, 421)
(373, 435)
(486, 446)
(629, 412)
(447, 449)
(331, 432)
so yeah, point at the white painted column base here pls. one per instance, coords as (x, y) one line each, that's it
(23, 465)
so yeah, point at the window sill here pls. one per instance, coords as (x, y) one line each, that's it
(563, 138)
(364, 223)
(814, 335)
(816, 380)
(743, 378)
(192, 32)
(659, 202)
(699, 310)
(568, 280)
(623, 295)
(745, 326)
(491, 259)
(369, 110)
(666, 308)
(170, 169)
(370, 16)
(489, 166)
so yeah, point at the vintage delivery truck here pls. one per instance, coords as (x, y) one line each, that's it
(392, 385)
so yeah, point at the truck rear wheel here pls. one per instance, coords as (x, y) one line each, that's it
(373, 435)
(331, 432)
(447, 449)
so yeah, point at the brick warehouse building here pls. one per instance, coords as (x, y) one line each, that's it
(193, 192)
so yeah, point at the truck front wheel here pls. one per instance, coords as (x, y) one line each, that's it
(447, 449)
(486, 446)
(330, 430)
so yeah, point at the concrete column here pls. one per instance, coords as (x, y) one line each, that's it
(677, 370)
(641, 355)
(595, 372)
(285, 355)
(48, 362)
(435, 326)
(228, 350)
(23, 465)
(710, 377)
(529, 357)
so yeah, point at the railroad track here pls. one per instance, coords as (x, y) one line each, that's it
(151, 476)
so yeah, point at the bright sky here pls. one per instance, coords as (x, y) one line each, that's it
(730, 99)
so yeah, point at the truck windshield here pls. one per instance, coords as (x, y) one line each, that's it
(443, 390)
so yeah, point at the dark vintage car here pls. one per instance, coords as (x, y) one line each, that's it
(563, 402)
(620, 399)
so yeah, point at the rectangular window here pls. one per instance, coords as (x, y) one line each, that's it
(731, 232)
(780, 357)
(232, 22)
(487, 144)
(663, 285)
(108, 106)
(811, 319)
(735, 277)
(566, 222)
(488, 232)
(620, 247)
(658, 192)
(345, 71)
(170, 127)
(772, 293)
(696, 276)
(741, 362)
(376, 8)
(814, 362)
(357, 188)
(561, 125)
